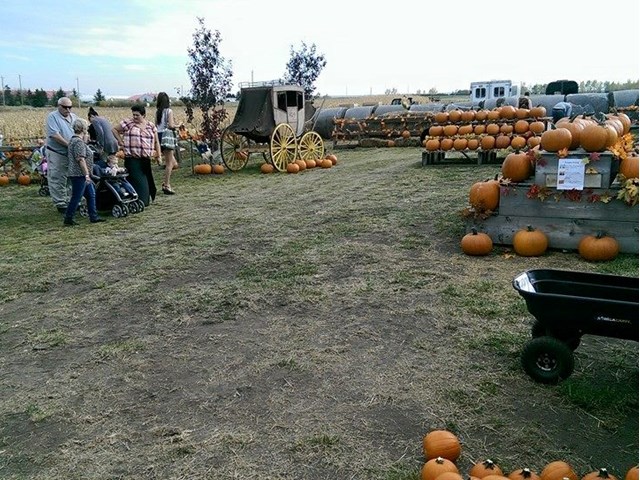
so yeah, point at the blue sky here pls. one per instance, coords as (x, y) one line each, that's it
(131, 47)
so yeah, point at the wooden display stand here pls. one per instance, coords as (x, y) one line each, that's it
(565, 216)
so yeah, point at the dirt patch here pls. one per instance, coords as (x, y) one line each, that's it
(310, 326)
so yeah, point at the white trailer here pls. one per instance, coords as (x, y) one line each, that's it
(493, 89)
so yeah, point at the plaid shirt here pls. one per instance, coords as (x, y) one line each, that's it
(139, 140)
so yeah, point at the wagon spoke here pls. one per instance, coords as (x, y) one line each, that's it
(283, 148)
(234, 150)
(311, 146)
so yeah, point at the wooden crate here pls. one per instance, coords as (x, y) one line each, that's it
(563, 220)
(598, 173)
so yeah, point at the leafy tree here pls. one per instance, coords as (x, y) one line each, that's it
(39, 98)
(8, 96)
(210, 76)
(58, 95)
(98, 97)
(304, 68)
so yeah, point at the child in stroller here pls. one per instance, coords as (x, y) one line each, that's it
(113, 190)
(39, 159)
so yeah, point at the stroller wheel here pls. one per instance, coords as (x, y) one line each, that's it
(140, 204)
(83, 210)
(132, 207)
(117, 211)
(42, 192)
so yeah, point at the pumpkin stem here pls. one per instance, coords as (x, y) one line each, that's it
(526, 473)
(529, 229)
(474, 231)
(602, 473)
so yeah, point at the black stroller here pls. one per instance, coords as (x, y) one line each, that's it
(113, 192)
(39, 158)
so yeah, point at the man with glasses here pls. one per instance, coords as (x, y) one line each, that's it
(59, 131)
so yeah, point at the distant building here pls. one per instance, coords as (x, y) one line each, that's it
(143, 98)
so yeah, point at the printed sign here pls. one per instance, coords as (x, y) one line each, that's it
(570, 174)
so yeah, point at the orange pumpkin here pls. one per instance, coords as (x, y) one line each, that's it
(266, 168)
(629, 167)
(326, 163)
(436, 466)
(508, 112)
(446, 144)
(432, 144)
(481, 115)
(538, 112)
(218, 169)
(450, 130)
(632, 473)
(202, 169)
(441, 443)
(24, 179)
(4, 180)
(476, 243)
(600, 474)
(503, 141)
(465, 129)
(484, 196)
(436, 130)
(557, 470)
(484, 468)
(576, 131)
(492, 129)
(455, 115)
(521, 126)
(333, 158)
(294, 168)
(516, 166)
(406, 134)
(488, 142)
(468, 115)
(479, 129)
(460, 144)
(530, 242)
(523, 474)
(594, 138)
(598, 248)
(442, 117)
(310, 163)
(473, 143)
(533, 142)
(537, 127)
(556, 139)
(518, 142)
(302, 164)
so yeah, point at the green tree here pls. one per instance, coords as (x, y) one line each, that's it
(210, 74)
(39, 98)
(304, 68)
(58, 95)
(8, 96)
(98, 97)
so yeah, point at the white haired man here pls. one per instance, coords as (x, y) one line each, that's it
(59, 131)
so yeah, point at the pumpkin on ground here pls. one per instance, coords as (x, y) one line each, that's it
(436, 466)
(476, 243)
(600, 474)
(202, 169)
(310, 163)
(4, 180)
(441, 443)
(326, 163)
(302, 164)
(293, 168)
(333, 158)
(598, 248)
(24, 179)
(485, 468)
(530, 242)
(218, 169)
(632, 473)
(558, 470)
(516, 166)
(523, 474)
(266, 168)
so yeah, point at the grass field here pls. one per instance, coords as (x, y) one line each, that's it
(309, 326)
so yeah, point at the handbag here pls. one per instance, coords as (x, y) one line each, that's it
(168, 139)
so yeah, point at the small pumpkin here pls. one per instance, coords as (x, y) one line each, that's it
(476, 243)
(530, 242)
(455, 115)
(450, 130)
(442, 117)
(333, 158)
(600, 474)
(484, 468)
(460, 144)
(629, 166)
(558, 470)
(441, 443)
(436, 130)
(326, 163)
(473, 144)
(294, 167)
(446, 144)
(218, 169)
(202, 169)
(508, 112)
(598, 248)
(436, 466)
(537, 127)
(266, 168)
(503, 141)
(556, 139)
(523, 474)
(632, 473)
(432, 144)
(311, 163)
(4, 180)
(487, 142)
(594, 137)
(485, 195)
(516, 166)
(406, 134)
(538, 112)
(24, 179)
(302, 164)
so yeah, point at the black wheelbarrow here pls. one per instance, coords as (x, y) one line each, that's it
(567, 305)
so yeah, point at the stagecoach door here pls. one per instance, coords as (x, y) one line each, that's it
(289, 109)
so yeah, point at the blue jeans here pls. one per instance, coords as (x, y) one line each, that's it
(79, 188)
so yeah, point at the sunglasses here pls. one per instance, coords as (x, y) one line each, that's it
(67, 107)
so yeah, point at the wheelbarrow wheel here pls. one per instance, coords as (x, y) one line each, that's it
(234, 150)
(283, 147)
(571, 339)
(311, 146)
(547, 359)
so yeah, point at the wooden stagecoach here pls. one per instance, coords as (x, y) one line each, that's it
(271, 119)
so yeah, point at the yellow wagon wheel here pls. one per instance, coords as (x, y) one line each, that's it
(234, 150)
(311, 146)
(283, 147)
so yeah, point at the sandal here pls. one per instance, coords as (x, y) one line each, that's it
(166, 190)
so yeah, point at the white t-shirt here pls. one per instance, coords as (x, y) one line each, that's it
(162, 126)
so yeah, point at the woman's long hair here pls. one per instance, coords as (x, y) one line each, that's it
(162, 103)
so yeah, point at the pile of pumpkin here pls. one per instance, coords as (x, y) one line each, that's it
(500, 128)
(293, 167)
(442, 449)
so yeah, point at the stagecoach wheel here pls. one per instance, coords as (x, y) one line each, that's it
(311, 147)
(234, 150)
(547, 359)
(117, 211)
(283, 147)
